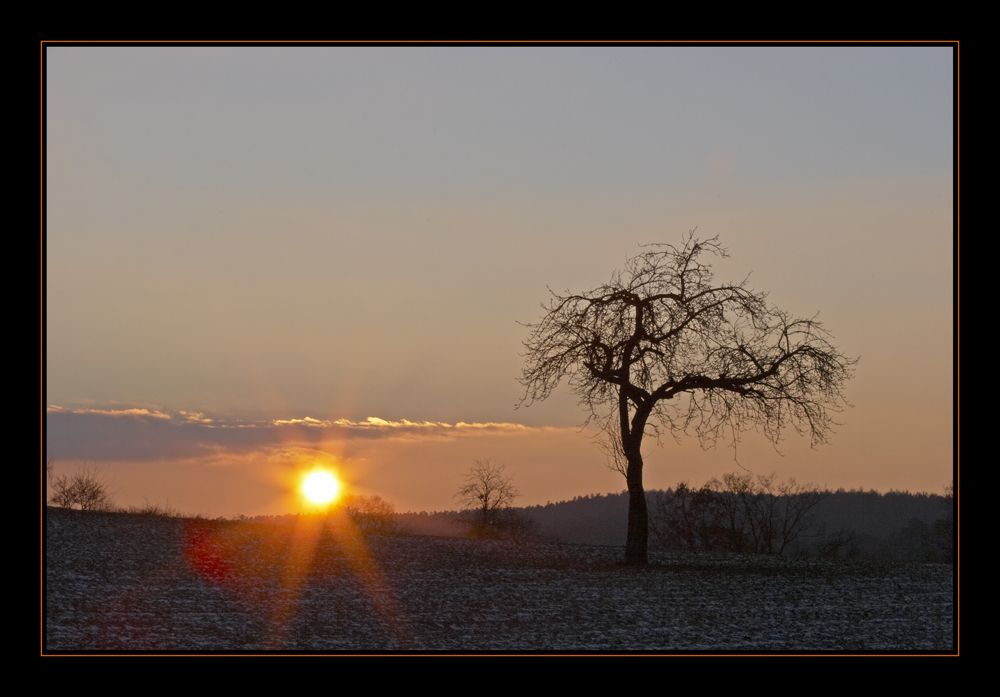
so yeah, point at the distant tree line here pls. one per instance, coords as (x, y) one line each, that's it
(369, 515)
(739, 513)
(895, 525)
(756, 514)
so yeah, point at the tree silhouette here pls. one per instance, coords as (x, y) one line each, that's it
(371, 514)
(87, 490)
(661, 347)
(489, 493)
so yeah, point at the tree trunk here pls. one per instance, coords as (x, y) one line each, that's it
(637, 542)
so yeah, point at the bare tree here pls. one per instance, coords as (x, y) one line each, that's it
(372, 514)
(765, 517)
(489, 493)
(798, 501)
(741, 513)
(87, 490)
(662, 348)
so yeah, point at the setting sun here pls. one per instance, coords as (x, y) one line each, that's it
(320, 487)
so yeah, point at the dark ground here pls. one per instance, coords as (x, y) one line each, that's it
(123, 582)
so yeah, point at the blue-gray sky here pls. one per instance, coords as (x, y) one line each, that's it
(263, 235)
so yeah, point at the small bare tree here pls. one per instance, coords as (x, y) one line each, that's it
(372, 515)
(489, 493)
(87, 490)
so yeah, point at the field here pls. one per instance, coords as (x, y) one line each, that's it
(123, 582)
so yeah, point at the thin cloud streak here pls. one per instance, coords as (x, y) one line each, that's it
(111, 412)
(432, 429)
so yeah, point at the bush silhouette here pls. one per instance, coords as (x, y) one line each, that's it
(86, 490)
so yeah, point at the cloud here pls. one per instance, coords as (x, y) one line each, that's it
(52, 408)
(286, 456)
(144, 435)
(307, 421)
(374, 427)
(195, 417)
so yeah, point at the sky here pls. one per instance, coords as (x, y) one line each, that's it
(261, 260)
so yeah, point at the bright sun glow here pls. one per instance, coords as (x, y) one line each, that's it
(320, 487)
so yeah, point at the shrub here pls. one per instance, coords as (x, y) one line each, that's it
(154, 509)
(505, 524)
(372, 515)
(741, 513)
(87, 490)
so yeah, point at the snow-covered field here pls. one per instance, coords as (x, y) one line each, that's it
(123, 582)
